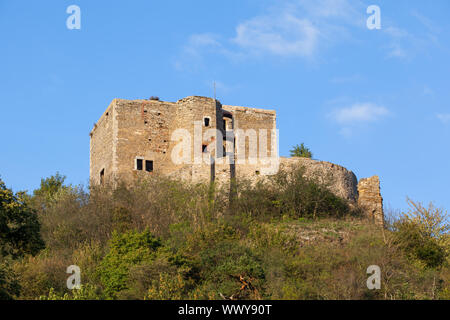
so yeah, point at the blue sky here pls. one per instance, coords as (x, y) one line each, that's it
(374, 101)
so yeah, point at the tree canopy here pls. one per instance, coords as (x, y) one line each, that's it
(19, 225)
(301, 151)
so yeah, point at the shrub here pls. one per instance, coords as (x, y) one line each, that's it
(19, 225)
(86, 292)
(419, 246)
(125, 251)
(421, 233)
(9, 284)
(37, 274)
(301, 151)
(227, 268)
(167, 287)
(290, 194)
(287, 237)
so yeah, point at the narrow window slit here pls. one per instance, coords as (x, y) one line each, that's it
(148, 165)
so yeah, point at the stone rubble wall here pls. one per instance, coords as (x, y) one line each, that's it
(339, 180)
(142, 129)
(370, 199)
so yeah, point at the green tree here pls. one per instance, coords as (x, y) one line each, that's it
(9, 284)
(50, 187)
(421, 233)
(19, 225)
(125, 251)
(301, 151)
(85, 292)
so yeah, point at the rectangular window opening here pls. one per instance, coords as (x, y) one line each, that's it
(206, 120)
(148, 165)
(139, 164)
(204, 148)
(102, 176)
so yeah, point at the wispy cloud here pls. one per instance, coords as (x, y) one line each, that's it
(426, 22)
(359, 113)
(405, 44)
(399, 39)
(283, 35)
(355, 117)
(294, 28)
(191, 55)
(298, 28)
(221, 87)
(305, 29)
(444, 117)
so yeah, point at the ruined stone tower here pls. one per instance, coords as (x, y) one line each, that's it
(137, 138)
(198, 139)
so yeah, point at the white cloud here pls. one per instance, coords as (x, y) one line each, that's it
(303, 29)
(396, 32)
(356, 117)
(191, 56)
(404, 44)
(205, 39)
(197, 43)
(281, 35)
(331, 8)
(399, 40)
(397, 51)
(359, 113)
(221, 87)
(444, 117)
(426, 22)
(292, 28)
(299, 28)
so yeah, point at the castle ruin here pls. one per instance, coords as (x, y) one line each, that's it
(198, 139)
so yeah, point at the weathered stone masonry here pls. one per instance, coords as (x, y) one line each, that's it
(370, 198)
(132, 139)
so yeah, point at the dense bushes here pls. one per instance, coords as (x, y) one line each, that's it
(287, 238)
(290, 194)
(126, 250)
(19, 225)
(422, 234)
(9, 285)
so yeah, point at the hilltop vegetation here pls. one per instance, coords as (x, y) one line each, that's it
(289, 238)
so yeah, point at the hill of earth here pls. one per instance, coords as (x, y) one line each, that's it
(289, 237)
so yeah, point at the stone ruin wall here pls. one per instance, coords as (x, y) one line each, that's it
(243, 118)
(249, 119)
(343, 183)
(143, 128)
(340, 181)
(131, 129)
(143, 132)
(101, 145)
(370, 199)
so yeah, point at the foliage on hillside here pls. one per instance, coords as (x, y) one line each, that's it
(287, 238)
(301, 151)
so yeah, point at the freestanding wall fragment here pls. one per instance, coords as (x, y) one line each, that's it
(370, 199)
